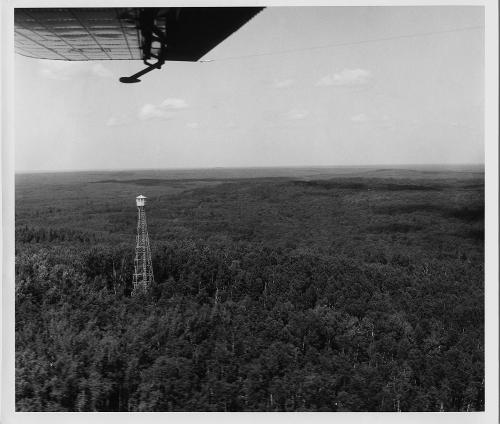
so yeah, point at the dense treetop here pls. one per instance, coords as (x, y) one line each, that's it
(271, 294)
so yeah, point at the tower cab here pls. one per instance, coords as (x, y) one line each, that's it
(140, 200)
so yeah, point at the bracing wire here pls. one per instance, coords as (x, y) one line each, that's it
(349, 43)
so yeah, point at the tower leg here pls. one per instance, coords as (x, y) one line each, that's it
(143, 269)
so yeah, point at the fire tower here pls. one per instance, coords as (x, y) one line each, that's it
(143, 269)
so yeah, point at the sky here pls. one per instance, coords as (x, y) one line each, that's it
(295, 86)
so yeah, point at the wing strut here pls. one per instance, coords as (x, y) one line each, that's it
(135, 77)
(151, 34)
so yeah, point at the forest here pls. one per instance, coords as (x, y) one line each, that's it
(297, 290)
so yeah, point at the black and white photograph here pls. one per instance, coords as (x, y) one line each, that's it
(250, 208)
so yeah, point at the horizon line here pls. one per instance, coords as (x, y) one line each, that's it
(400, 165)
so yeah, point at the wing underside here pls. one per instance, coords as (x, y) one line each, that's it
(79, 34)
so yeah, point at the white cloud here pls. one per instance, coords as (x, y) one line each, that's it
(387, 123)
(173, 103)
(284, 83)
(65, 71)
(99, 70)
(296, 114)
(55, 70)
(164, 110)
(346, 77)
(116, 120)
(193, 125)
(149, 111)
(361, 117)
(462, 125)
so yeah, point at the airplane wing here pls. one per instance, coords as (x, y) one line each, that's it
(164, 34)
(75, 34)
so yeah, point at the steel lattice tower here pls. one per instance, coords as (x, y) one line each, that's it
(143, 268)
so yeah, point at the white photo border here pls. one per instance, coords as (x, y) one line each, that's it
(7, 178)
